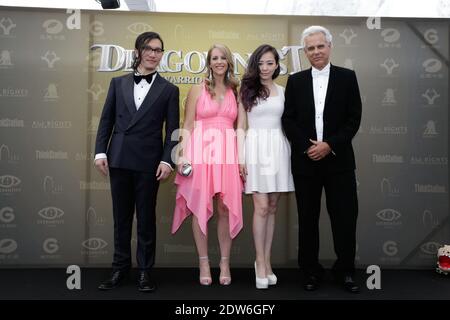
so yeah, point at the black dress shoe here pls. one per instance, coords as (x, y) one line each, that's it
(115, 279)
(350, 285)
(311, 283)
(145, 283)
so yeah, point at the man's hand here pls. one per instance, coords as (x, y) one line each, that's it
(102, 166)
(318, 150)
(163, 171)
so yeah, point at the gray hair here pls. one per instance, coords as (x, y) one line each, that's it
(316, 29)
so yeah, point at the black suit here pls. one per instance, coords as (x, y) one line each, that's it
(335, 173)
(134, 145)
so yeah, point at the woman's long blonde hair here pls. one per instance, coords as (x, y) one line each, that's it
(230, 80)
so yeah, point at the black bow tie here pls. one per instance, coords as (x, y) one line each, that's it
(147, 77)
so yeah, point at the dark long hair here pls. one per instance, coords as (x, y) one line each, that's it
(251, 87)
(140, 43)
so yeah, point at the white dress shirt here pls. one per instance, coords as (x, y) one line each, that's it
(140, 91)
(320, 85)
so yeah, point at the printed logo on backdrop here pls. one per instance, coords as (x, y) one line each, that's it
(181, 34)
(94, 247)
(389, 98)
(96, 29)
(10, 92)
(348, 35)
(430, 95)
(429, 188)
(5, 60)
(8, 248)
(51, 93)
(50, 187)
(430, 130)
(93, 61)
(95, 91)
(390, 250)
(11, 123)
(138, 28)
(52, 124)
(6, 26)
(391, 38)
(51, 155)
(432, 69)
(94, 185)
(9, 184)
(7, 218)
(83, 156)
(94, 219)
(50, 246)
(51, 58)
(52, 28)
(387, 158)
(392, 130)
(7, 155)
(429, 160)
(432, 39)
(389, 65)
(388, 189)
(51, 216)
(388, 218)
(428, 220)
(429, 249)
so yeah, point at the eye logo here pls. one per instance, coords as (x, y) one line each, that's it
(390, 35)
(51, 213)
(432, 65)
(7, 215)
(7, 246)
(50, 245)
(52, 26)
(388, 215)
(9, 181)
(94, 244)
(139, 27)
(430, 247)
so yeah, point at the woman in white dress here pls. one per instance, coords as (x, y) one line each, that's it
(267, 168)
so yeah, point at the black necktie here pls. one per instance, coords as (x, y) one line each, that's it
(147, 77)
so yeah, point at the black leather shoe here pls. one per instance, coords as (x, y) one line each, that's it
(115, 279)
(350, 285)
(311, 283)
(145, 283)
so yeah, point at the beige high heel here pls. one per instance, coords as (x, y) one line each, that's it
(224, 280)
(204, 281)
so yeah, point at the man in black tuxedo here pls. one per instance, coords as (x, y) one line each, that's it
(130, 147)
(321, 116)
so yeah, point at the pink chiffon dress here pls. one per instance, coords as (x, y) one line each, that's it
(212, 151)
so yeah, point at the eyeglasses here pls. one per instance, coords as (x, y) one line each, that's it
(148, 49)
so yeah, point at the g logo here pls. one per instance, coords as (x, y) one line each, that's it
(390, 248)
(50, 245)
(431, 36)
(7, 215)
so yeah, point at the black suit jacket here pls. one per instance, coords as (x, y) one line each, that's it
(341, 119)
(133, 139)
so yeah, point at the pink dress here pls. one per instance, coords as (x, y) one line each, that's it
(212, 150)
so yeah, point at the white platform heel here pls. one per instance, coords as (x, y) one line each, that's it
(261, 283)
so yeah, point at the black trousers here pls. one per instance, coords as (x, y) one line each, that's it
(134, 190)
(342, 207)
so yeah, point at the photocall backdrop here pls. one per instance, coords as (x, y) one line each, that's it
(56, 65)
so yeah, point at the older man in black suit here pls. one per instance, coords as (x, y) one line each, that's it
(322, 115)
(130, 147)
